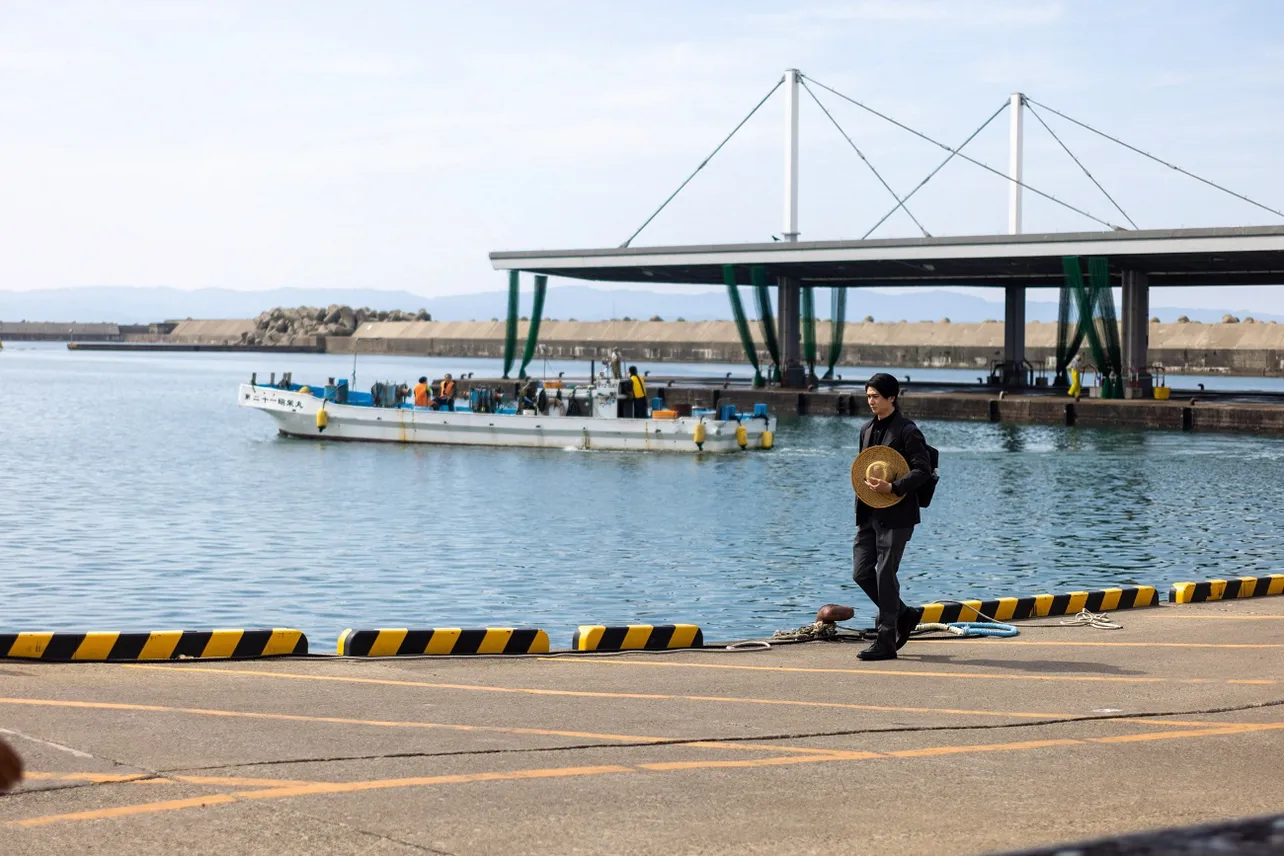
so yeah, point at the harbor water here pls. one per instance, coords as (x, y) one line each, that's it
(136, 495)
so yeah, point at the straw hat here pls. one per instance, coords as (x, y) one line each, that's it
(884, 462)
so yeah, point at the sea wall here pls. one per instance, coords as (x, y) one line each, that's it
(1245, 348)
(1248, 348)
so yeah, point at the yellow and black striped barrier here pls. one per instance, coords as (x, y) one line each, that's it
(1231, 589)
(1041, 605)
(157, 645)
(637, 637)
(400, 642)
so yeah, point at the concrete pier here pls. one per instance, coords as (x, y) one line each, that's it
(985, 405)
(960, 746)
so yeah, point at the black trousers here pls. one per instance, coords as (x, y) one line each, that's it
(876, 557)
(639, 408)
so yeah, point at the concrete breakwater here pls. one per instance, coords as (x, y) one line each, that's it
(1244, 348)
(1247, 348)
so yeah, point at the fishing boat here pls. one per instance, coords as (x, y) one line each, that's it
(543, 414)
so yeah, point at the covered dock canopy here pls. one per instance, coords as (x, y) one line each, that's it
(1249, 255)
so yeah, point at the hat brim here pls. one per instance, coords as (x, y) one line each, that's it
(897, 468)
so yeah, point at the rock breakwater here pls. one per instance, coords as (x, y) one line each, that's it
(303, 324)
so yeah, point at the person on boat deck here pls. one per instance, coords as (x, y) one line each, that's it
(615, 364)
(529, 395)
(421, 393)
(447, 397)
(639, 394)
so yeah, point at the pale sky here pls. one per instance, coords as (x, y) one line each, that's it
(389, 144)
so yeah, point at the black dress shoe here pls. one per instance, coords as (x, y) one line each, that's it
(878, 651)
(905, 625)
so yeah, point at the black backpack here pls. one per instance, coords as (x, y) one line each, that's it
(928, 490)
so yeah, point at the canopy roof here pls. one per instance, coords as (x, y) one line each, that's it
(1247, 255)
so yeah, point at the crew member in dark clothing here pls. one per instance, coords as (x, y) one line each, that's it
(640, 410)
(881, 533)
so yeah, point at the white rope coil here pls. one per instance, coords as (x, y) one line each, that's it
(1099, 620)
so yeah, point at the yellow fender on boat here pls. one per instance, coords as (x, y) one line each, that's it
(698, 435)
(768, 439)
(742, 436)
(323, 419)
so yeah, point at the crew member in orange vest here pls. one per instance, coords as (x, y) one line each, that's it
(639, 394)
(421, 393)
(447, 398)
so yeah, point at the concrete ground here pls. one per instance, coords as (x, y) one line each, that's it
(960, 746)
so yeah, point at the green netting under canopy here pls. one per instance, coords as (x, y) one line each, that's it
(1097, 321)
(742, 323)
(537, 312)
(510, 329)
(766, 317)
(809, 329)
(837, 320)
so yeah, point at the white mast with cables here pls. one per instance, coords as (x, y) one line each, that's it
(1014, 166)
(791, 155)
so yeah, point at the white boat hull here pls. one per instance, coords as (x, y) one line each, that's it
(296, 416)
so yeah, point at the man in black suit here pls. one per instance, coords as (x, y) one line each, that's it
(882, 533)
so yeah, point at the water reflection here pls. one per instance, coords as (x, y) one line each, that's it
(164, 504)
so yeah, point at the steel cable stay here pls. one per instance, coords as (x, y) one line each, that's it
(1079, 163)
(704, 162)
(959, 153)
(855, 148)
(939, 167)
(1174, 166)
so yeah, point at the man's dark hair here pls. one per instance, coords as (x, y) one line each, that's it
(633, 369)
(887, 386)
(423, 380)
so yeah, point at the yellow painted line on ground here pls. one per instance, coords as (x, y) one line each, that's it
(1226, 617)
(126, 810)
(417, 781)
(611, 695)
(902, 672)
(96, 778)
(292, 717)
(325, 788)
(148, 779)
(629, 738)
(933, 751)
(1006, 642)
(1179, 723)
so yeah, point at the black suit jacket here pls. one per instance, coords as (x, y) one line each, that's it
(903, 436)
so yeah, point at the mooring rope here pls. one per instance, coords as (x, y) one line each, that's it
(1099, 620)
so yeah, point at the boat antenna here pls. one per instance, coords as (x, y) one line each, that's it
(354, 362)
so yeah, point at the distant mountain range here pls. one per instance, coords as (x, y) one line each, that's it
(140, 305)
